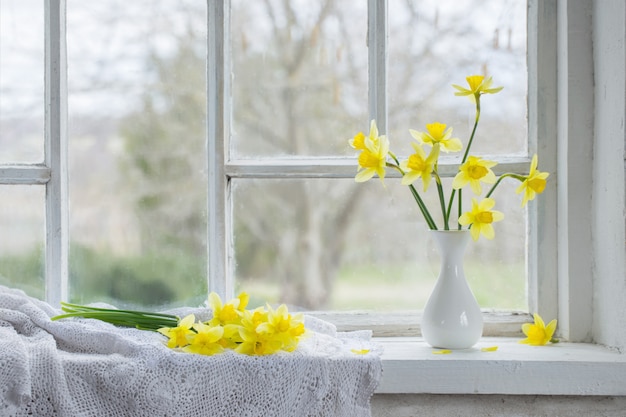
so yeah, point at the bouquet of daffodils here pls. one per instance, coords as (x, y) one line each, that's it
(262, 331)
(422, 165)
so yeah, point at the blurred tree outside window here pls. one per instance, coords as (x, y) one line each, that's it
(298, 90)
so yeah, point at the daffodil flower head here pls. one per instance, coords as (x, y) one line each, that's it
(438, 133)
(283, 327)
(358, 141)
(178, 335)
(373, 158)
(474, 171)
(206, 340)
(419, 165)
(537, 333)
(228, 313)
(534, 183)
(477, 86)
(481, 218)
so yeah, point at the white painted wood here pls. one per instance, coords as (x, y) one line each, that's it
(575, 164)
(407, 323)
(218, 243)
(24, 174)
(409, 366)
(609, 237)
(55, 155)
(542, 132)
(344, 167)
(378, 59)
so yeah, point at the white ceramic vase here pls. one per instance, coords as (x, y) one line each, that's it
(452, 318)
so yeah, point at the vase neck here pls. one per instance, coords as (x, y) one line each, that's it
(452, 244)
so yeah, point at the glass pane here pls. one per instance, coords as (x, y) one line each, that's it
(436, 43)
(334, 244)
(137, 103)
(21, 81)
(299, 76)
(22, 238)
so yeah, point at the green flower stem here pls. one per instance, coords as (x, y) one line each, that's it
(467, 149)
(420, 203)
(127, 318)
(503, 176)
(422, 206)
(449, 210)
(458, 225)
(442, 200)
(471, 139)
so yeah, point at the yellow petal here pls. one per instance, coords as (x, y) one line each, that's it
(489, 349)
(442, 352)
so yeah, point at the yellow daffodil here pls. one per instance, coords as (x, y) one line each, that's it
(373, 156)
(358, 142)
(481, 218)
(256, 343)
(537, 333)
(477, 86)
(419, 165)
(283, 327)
(206, 340)
(534, 183)
(474, 171)
(178, 335)
(228, 313)
(438, 134)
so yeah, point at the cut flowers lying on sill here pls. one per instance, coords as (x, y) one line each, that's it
(262, 331)
(375, 157)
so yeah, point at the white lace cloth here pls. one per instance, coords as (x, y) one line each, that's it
(80, 367)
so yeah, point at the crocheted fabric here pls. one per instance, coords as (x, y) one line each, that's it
(83, 367)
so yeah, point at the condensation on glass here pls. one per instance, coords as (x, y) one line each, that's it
(22, 231)
(300, 90)
(299, 76)
(21, 81)
(137, 140)
(331, 244)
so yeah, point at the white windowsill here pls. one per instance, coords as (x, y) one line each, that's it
(410, 367)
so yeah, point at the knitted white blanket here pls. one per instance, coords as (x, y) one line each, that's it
(82, 367)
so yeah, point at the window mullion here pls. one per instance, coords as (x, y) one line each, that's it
(377, 58)
(220, 278)
(57, 210)
(542, 133)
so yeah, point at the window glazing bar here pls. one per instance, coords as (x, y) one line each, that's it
(218, 243)
(377, 57)
(57, 199)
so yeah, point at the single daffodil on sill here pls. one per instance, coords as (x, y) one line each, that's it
(537, 333)
(481, 217)
(373, 157)
(534, 183)
(474, 171)
(477, 86)
(438, 133)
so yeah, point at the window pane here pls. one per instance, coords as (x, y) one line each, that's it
(299, 76)
(339, 245)
(21, 80)
(137, 141)
(436, 43)
(22, 238)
